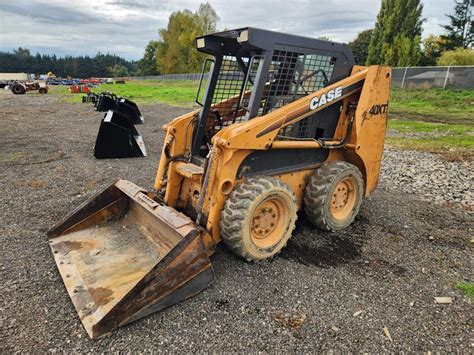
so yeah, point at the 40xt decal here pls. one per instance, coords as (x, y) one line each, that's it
(378, 109)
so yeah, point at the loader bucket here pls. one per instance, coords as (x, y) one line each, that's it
(118, 138)
(123, 256)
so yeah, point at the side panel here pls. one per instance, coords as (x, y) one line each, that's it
(297, 181)
(276, 161)
(370, 124)
(263, 130)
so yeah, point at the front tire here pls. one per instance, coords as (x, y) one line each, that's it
(333, 195)
(258, 218)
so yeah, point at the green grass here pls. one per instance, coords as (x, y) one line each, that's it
(172, 92)
(433, 120)
(441, 138)
(467, 288)
(433, 105)
(406, 126)
(452, 148)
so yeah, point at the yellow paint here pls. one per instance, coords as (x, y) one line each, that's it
(233, 143)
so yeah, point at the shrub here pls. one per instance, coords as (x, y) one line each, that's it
(458, 56)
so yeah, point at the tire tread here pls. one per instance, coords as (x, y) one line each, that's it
(236, 210)
(317, 192)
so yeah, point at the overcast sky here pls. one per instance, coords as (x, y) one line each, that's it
(124, 27)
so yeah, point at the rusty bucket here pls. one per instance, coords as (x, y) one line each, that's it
(123, 255)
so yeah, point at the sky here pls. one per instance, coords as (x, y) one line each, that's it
(124, 27)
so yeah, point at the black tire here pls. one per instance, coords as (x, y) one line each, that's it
(263, 200)
(18, 89)
(330, 209)
(43, 90)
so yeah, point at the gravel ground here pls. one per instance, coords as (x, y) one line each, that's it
(430, 177)
(326, 291)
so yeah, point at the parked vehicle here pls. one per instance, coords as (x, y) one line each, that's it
(79, 89)
(300, 128)
(53, 81)
(7, 79)
(21, 87)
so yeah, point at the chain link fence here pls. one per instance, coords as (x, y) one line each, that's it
(454, 77)
(188, 76)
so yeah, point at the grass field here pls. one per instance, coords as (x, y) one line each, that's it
(433, 120)
(454, 140)
(433, 105)
(173, 92)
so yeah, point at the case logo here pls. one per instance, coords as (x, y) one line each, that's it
(331, 95)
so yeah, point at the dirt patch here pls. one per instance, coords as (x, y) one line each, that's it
(401, 252)
(291, 321)
(332, 251)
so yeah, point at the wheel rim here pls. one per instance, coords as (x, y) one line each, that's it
(268, 222)
(343, 199)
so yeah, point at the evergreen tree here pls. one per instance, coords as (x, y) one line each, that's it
(118, 71)
(360, 46)
(460, 31)
(148, 64)
(432, 50)
(21, 60)
(22, 52)
(396, 37)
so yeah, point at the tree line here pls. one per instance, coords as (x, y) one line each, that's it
(101, 65)
(396, 38)
(175, 50)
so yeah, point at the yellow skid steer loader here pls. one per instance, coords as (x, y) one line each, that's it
(286, 123)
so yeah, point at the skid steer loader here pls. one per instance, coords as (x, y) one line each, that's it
(286, 123)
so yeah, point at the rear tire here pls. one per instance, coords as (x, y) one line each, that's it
(258, 218)
(333, 195)
(18, 89)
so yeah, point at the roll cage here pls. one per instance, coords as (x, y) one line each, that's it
(253, 72)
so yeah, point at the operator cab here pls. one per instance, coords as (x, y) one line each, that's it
(253, 72)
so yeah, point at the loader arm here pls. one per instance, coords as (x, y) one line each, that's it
(262, 131)
(368, 88)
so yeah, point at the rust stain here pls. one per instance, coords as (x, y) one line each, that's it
(292, 321)
(36, 184)
(101, 295)
(72, 245)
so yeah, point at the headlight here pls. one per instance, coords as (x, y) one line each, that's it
(243, 37)
(201, 43)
